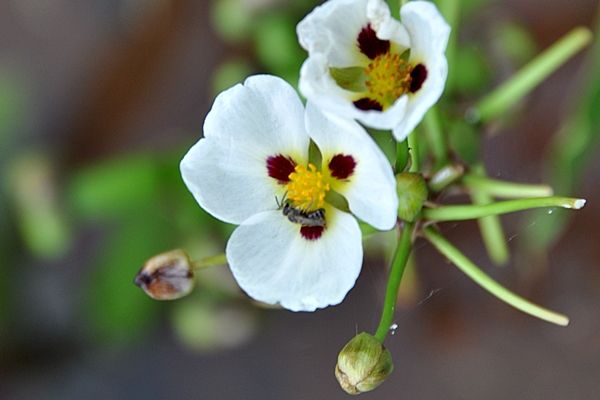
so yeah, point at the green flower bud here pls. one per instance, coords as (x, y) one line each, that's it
(167, 276)
(363, 364)
(412, 193)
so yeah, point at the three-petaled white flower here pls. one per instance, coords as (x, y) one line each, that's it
(366, 65)
(253, 169)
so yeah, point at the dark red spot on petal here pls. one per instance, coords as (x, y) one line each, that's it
(342, 166)
(367, 104)
(418, 75)
(311, 232)
(280, 168)
(370, 45)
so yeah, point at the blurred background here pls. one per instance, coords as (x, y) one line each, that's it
(99, 101)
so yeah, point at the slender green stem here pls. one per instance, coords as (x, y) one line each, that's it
(504, 189)
(522, 82)
(391, 293)
(401, 156)
(483, 280)
(435, 135)
(462, 212)
(413, 145)
(209, 262)
(490, 227)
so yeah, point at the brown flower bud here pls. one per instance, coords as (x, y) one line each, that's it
(363, 364)
(167, 276)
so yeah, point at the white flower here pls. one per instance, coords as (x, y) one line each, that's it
(253, 165)
(366, 65)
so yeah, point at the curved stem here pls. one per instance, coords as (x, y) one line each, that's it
(436, 138)
(483, 280)
(401, 156)
(391, 293)
(413, 146)
(219, 259)
(504, 189)
(491, 226)
(462, 212)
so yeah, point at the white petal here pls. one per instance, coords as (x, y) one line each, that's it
(429, 34)
(371, 190)
(273, 263)
(386, 27)
(226, 171)
(332, 29)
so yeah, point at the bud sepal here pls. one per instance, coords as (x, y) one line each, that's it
(363, 364)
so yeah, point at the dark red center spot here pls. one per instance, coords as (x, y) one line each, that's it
(370, 45)
(418, 75)
(367, 104)
(311, 232)
(342, 166)
(280, 167)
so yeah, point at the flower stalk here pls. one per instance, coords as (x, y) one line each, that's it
(413, 147)
(504, 189)
(209, 262)
(490, 227)
(483, 280)
(464, 212)
(396, 271)
(436, 138)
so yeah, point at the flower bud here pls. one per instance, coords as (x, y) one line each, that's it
(363, 364)
(412, 193)
(167, 276)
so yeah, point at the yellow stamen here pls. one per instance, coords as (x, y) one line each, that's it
(389, 78)
(306, 188)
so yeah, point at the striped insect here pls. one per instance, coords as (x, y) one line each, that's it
(299, 216)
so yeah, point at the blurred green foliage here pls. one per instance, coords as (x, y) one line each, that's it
(571, 150)
(150, 211)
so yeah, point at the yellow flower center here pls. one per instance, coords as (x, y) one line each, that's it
(389, 78)
(306, 188)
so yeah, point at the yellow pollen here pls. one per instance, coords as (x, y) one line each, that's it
(306, 188)
(389, 78)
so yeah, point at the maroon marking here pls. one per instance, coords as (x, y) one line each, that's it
(311, 232)
(280, 168)
(370, 45)
(367, 104)
(418, 75)
(342, 166)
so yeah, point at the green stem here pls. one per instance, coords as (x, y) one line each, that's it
(413, 146)
(493, 287)
(528, 77)
(491, 231)
(504, 189)
(401, 156)
(391, 293)
(433, 130)
(209, 262)
(490, 227)
(462, 212)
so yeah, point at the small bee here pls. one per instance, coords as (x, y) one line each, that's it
(298, 216)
